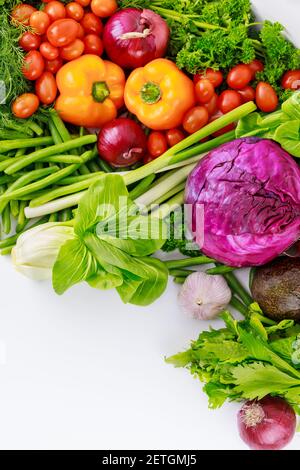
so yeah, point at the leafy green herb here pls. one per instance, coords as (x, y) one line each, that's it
(177, 236)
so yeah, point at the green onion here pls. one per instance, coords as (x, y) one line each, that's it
(220, 270)
(238, 288)
(7, 145)
(141, 187)
(186, 262)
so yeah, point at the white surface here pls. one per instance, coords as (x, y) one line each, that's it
(83, 371)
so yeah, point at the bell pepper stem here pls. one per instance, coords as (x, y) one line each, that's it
(100, 91)
(150, 93)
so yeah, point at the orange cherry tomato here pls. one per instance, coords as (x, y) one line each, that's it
(62, 32)
(174, 136)
(157, 144)
(39, 22)
(291, 80)
(48, 51)
(239, 76)
(247, 94)
(266, 97)
(53, 66)
(256, 66)
(72, 51)
(214, 76)
(75, 11)
(55, 10)
(25, 105)
(83, 3)
(204, 90)
(33, 65)
(212, 105)
(21, 14)
(229, 100)
(104, 8)
(29, 41)
(93, 44)
(195, 119)
(46, 88)
(91, 24)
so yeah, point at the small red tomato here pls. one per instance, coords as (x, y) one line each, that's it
(39, 22)
(247, 94)
(46, 88)
(212, 105)
(55, 10)
(72, 51)
(33, 65)
(195, 119)
(229, 100)
(91, 24)
(75, 11)
(239, 76)
(53, 66)
(48, 51)
(62, 32)
(256, 66)
(214, 76)
(83, 3)
(204, 91)
(291, 80)
(80, 33)
(25, 105)
(29, 41)
(147, 159)
(157, 144)
(21, 14)
(266, 97)
(104, 8)
(93, 44)
(174, 136)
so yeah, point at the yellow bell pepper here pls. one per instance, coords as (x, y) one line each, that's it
(91, 91)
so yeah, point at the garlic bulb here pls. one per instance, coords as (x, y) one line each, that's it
(204, 296)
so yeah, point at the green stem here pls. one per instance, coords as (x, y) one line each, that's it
(141, 187)
(7, 145)
(172, 204)
(186, 262)
(12, 240)
(168, 194)
(179, 280)
(36, 128)
(238, 288)
(180, 272)
(22, 221)
(220, 270)
(239, 306)
(6, 220)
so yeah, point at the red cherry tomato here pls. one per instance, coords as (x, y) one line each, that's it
(33, 65)
(214, 76)
(256, 66)
(29, 41)
(53, 66)
(46, 88)
(62, 32)
(91, 24)
(25, 105)
(21, 14)
(291, 80)
(225, 129)
(83, 3)
(174, 136)
(239, 76)
(247, 94)
(229, 100)
(266, 97)
(48, 51)
(81, 32)
(93, 44)
(157, 144)
(147, 159)
(204, 90)
(72, 51)
(104, 8)
(55, 10)
(39, 22)
(75, 11)
(212, 105)
(195, 119)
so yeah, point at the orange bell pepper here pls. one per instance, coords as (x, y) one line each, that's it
(159, 94)
(91, 91)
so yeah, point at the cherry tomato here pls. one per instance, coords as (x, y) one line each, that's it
(83, 3)
(62, 32)
(247, 94)
(157, 144)
(53, 66)
(91, 24)
(212, 105)
(214, 76)
(147, 159)
(21, 14)
(72, 51)
(104, 8)
(33, 65)
(29, 41)
(229, 100)
(174, 136)
(48, 51)
(55, 10)
(204, 90)
(25, 105)
(266, 97)
(291, 80)
(80, 33)
(194, 119)
(75, 11)
(39, 22)
(239, 76)
(256, 66)
(225, 129)
(46, 88)
(93, 44)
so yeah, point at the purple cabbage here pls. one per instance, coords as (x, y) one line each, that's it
(250, 192)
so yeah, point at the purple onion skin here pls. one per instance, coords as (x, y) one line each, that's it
(137, 52)
(250, 191)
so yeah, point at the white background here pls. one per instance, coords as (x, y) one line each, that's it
(84, 371)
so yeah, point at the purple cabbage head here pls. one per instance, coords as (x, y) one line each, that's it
(249, 190)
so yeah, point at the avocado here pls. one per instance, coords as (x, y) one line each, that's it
(276, 288)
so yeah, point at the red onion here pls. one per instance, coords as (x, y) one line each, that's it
(267, 424)
(122, 142)
(132, 37)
